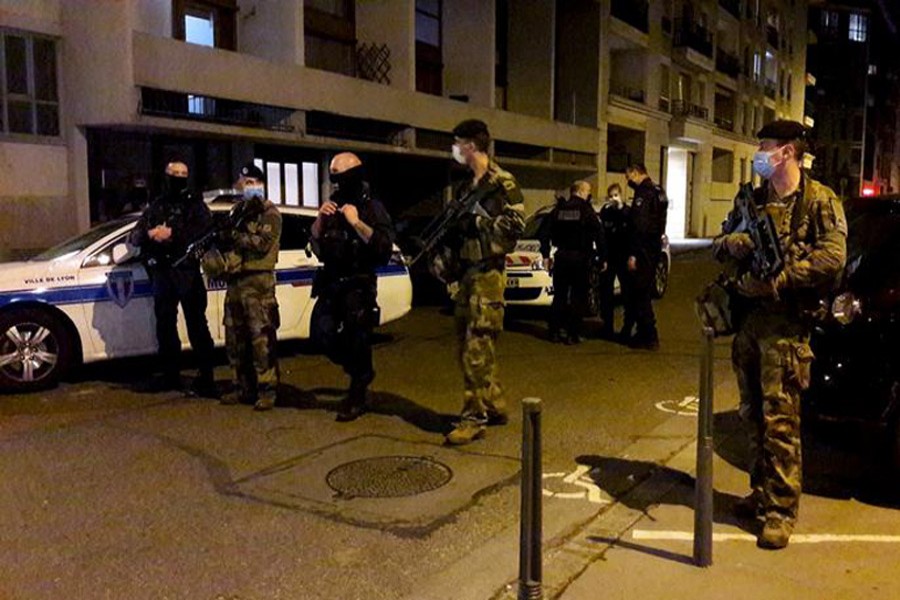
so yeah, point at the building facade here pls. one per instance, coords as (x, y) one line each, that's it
(854, 58)
(99, 94)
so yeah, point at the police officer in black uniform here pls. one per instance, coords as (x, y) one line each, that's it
(163, 232)
(646, 228)
(614, 217)
(352, 236)
(576, 233)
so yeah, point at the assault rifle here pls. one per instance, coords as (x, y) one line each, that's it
(240, 213)
(767, 259)
(442, 224)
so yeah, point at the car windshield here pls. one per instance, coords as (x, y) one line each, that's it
(74, 245)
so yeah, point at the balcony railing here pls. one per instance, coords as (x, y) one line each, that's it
(178, 105)
(727, 63)
(772, 36)
(633, 12)
(771, 88)
(732, 6)
(726, 123)
(694, 36)
(681, 108)
(633, 94)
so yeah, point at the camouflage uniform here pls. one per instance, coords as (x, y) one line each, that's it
(251, 310)
(771, 353)
(479, 302)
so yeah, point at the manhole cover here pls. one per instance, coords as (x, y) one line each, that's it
(388, 477)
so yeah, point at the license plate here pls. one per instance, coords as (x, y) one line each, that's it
(512, 282)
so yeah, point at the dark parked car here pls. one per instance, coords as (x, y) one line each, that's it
(856, 375)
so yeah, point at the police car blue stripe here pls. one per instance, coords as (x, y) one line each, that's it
(99, 293)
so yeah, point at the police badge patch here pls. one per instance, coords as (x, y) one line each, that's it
(120, 287)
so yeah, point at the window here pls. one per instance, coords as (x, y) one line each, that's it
(330, 35)
(858, 28)
(205, 22)
(873, 69)
(757, 66)
(723, 166)
(664, 94)
(429, 47)
(290, 183)
(30, 99)
(830, 23)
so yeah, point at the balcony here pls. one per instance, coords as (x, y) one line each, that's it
(725, 123)
(629, 93)
(681, 108)
(728, 63)
(772, 36)
(693, 36)
(633, 12)
(732, 6)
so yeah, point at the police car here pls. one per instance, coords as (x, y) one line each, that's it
(89, 298)
(529, 282)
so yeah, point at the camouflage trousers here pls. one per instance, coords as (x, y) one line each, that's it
(251, 323)
(479, 321)
(772, 359)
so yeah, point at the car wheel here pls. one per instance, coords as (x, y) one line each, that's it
(661, 278)
(35, 350)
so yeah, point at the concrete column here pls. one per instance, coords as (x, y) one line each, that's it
(530, 57)
(271, 30)
(469, 41)
(391, 22)
(79, 182)
(97, 73)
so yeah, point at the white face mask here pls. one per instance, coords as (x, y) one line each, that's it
(254, 190)
(616, 198)
(458, 155)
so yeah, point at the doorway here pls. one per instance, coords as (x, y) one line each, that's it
(679, 188)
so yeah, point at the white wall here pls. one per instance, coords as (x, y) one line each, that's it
(271, 30)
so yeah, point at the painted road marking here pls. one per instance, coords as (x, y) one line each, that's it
(797, 538)
(579, 478)
(689, 407)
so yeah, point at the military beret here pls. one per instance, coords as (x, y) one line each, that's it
(251, 170)
(782, 129)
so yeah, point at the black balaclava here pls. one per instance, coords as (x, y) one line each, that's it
(175, 185)
(349, 187)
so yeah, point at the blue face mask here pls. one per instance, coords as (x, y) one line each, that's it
(254, 190)
(761, 164)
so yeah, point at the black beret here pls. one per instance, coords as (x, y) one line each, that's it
(251, 170)
(782, 130)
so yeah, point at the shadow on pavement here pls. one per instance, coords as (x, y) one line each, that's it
(838, 462)
(379, 402)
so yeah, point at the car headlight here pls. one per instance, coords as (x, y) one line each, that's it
(845, 308)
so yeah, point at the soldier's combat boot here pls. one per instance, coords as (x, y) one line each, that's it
(775, 533)
(466, 432)
(265, 401)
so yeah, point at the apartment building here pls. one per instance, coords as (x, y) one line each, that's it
(98, 94)
(854, 58)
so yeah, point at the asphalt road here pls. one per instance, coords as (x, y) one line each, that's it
(112, 492)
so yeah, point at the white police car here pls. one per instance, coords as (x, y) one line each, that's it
(529, 282)
(87, 299)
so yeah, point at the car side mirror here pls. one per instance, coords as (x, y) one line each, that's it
(123, 252)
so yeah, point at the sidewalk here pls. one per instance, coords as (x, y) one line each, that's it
(642, 547)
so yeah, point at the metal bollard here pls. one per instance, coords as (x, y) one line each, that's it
(703, 490)
(532, 483)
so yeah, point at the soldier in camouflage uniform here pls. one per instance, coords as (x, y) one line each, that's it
(770, 352)
(251, 311)
(479, 251)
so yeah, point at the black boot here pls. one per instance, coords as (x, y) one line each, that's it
(353, 406)
(204, 386)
